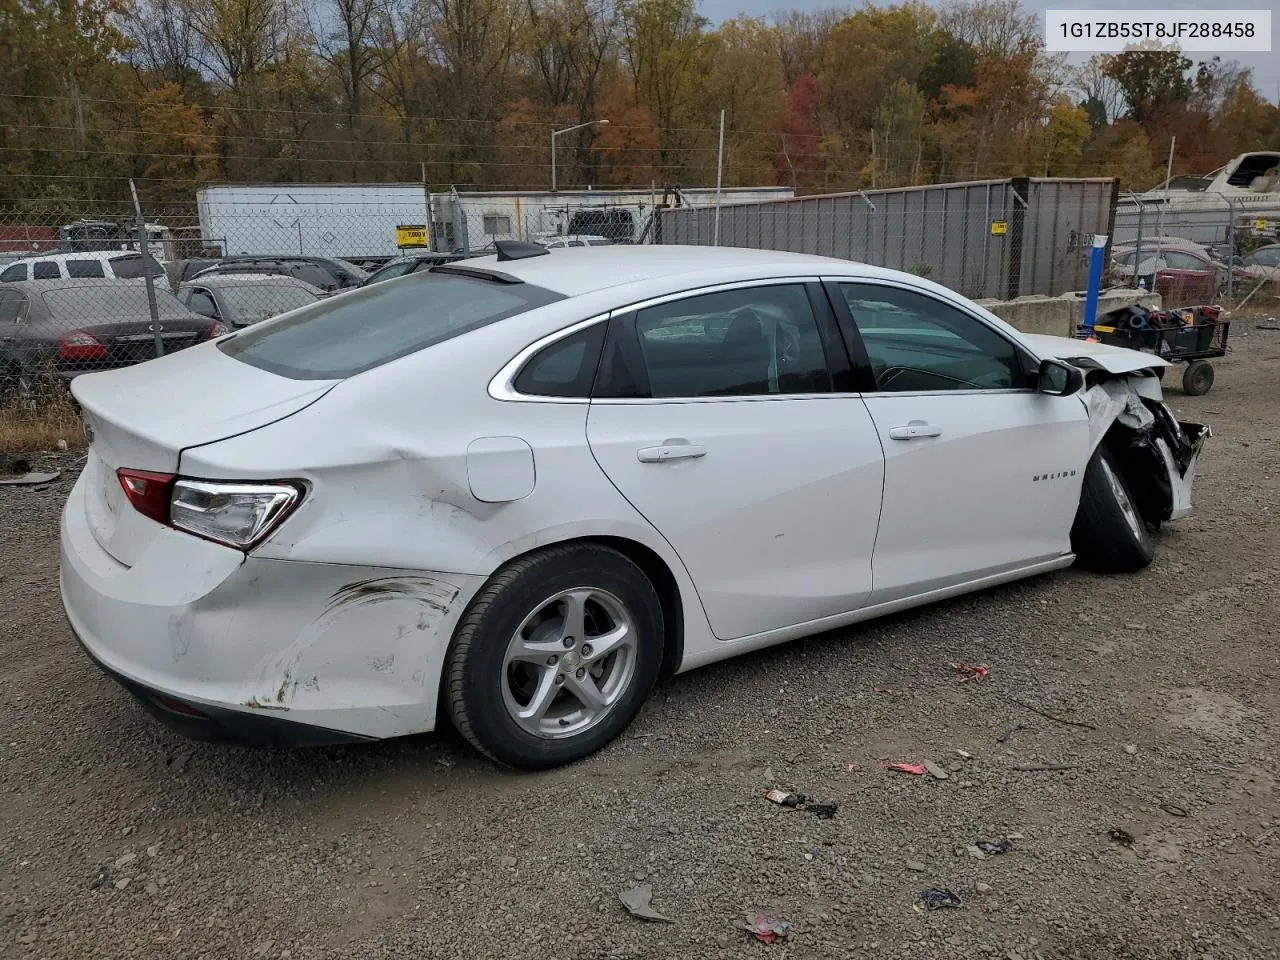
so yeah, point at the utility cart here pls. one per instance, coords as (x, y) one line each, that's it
(1190, 335)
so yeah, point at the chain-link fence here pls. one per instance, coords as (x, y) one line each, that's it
(1198, 249)
(95, 285)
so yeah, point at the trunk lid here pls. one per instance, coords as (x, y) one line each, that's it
(134, 341)
(143, 417)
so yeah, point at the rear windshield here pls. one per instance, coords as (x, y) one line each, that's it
(110, 300)
(366, 328)
(258, 301)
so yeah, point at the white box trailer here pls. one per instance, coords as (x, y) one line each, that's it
(323, 220)
(469, 221)
(358, 221)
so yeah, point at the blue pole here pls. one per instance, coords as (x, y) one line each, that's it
(1095, 283)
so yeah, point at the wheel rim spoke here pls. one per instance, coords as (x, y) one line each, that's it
(619, 638)
(575, 614)
(591, 697)
(533, 651)
(532, 714)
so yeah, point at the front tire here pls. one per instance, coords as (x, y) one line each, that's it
(1109, 534)
(554, 657)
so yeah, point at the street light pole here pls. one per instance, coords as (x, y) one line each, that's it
(556, 133)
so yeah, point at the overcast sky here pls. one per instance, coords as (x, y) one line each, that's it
(1266, 66)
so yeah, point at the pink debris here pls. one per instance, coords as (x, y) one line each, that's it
(971, 671)
(915, 769)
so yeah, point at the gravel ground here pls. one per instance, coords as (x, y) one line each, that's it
(118, 839)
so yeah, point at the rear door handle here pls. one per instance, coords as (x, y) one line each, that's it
(673, 448)
(914, 430)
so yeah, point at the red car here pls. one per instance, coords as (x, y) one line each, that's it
(1179, 274)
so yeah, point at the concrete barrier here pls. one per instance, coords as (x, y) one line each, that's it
(1061, 316)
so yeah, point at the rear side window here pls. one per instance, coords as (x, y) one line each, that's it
(566, 368)
(45, 270)
(366, 328)
(84, 269)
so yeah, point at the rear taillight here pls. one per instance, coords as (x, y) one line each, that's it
(218, 329)
(239, 515)
(148, 492)
(78, 345)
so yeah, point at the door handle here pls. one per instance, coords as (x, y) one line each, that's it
(673, 448)
(914, 430)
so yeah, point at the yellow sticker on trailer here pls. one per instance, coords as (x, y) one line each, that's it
(1260, 225)
(999, 228)
(411, 235)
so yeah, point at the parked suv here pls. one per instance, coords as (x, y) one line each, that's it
(328, 273)
(88, 265)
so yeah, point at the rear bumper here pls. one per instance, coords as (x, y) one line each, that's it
(217, 644)
(218, 724)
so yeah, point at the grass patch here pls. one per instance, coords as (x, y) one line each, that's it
(27, 431)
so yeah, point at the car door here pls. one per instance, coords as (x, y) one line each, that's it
(982, 472)
(1186, 278)
(716, 414)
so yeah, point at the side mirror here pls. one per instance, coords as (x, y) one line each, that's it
(1058, 379)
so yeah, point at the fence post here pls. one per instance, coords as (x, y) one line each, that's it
(1137, 253)
(1020, 187)
(1231, 248)
(148, 278)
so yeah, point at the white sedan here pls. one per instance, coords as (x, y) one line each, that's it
(516, 490)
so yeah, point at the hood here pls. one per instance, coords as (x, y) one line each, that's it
(1116, 360)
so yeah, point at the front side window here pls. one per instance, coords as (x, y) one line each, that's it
(916, 342)
(16, 272)
(85, 269)
(13, 306)
(202, 303)
(1268, 257)
(340, 337)
(752, 341)
(1176, 260)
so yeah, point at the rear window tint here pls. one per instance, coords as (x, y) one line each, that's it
(366, 328)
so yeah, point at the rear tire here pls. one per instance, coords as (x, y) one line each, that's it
(554, 657)
(1109, 534)
(1197, 379)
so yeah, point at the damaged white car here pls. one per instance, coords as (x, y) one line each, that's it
(516, 490)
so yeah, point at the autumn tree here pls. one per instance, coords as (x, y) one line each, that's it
(744, 77)
(663, 46)
(1149, 80)
(177, 138)
(799, 135)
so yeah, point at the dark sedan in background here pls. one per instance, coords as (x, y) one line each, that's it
(66, 327)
